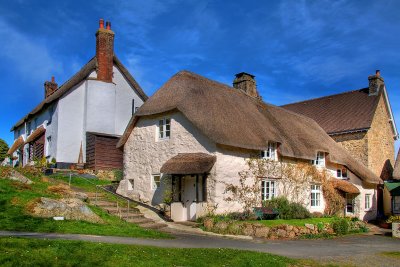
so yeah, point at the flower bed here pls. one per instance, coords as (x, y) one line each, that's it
(338, 226)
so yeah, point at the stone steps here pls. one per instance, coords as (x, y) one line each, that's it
(102, 203)
(139, 220)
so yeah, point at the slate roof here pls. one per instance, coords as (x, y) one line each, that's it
(81, 75)
(345, 112)
(230, 117)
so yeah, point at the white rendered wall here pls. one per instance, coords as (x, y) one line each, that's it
(144, 155)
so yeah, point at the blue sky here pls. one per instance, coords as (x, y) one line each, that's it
(296, 49)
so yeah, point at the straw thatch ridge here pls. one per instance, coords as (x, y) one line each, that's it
(396, 171)
(81, 75)
(230, 117)
(17, 144)
(189, 163)
(35, 134)
(345, 186)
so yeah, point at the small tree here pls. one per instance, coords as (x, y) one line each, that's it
(3, 150)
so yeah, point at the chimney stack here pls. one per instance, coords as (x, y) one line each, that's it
(376, 83)
(50, 87)
(246, 82)
(104, 51)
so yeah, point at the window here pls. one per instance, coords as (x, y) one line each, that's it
(28, 128)
(156, 181)
(396, 204)
(367, 201)
(164, 128)
(268, 189)
(48, 146)
(341, 173)
(349, 203)
(315, 195)
(319, 160)
(270, 153)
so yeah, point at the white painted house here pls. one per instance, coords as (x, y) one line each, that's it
(85, 116)
(194, 136)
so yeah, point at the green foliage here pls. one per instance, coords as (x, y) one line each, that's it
(167, 196)
(15, 196)
(118, 174)
(393, 219)
(33, 252)
(287, 210)
(340, 226)
(294, 222)
(53, 161)
(3, 150)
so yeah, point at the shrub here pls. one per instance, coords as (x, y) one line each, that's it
(241, 216)
(340, 226)
(3, 150)
(288, 210)
(118, 174)
(393, 219)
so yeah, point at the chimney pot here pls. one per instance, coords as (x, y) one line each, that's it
(52, 79)
(378, 73)
(101, 23)
(108, 25)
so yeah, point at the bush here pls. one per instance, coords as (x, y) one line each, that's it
(340, 226)
(288, 210)
(3, 150)
(241, 216)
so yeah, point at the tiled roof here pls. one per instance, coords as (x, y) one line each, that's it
(349, 111)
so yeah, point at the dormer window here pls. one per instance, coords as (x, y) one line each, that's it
(319, 160)
(341, 173)
(270, 153)
(164, 128)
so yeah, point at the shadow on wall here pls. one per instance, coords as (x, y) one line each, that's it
(387, 171)
(158, 196)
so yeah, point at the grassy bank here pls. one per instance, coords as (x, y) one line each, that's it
(24, 252)
(15, 196)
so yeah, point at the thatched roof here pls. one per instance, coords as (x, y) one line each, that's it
(35, 134)
(81, 75)
(230, 117)
(189, 163)
(396, 171)
(17, 144)
(345, 186)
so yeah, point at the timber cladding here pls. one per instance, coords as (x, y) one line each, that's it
(102, 153)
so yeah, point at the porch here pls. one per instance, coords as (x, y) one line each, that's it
(189, 174)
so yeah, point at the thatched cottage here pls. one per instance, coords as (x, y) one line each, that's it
(81, 121)
(195, 135)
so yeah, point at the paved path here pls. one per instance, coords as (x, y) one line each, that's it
(317, 249)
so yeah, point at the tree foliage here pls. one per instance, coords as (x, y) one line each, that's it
(3, 150)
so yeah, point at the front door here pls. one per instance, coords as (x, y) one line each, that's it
(189, 197)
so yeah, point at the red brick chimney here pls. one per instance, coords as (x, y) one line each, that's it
(104, 51)
(50, 87)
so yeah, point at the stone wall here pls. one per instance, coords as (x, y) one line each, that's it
(356, 144)
(381, 142)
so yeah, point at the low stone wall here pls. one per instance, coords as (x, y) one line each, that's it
(283, 231)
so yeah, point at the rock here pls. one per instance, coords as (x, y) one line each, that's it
(281, 233)
(80, 195)
(208, 223)
(292, 234)
(309, 226)
(289, 228)
(296, 230)
(69, 208)
(261, 231)
(16, 176)
(247, 229)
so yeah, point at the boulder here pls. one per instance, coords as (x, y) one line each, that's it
(289, 228)
(248, 229)
(261, 231)
(309, 226)
(69, 208)
(16, 176)
(281, 233)
(208, 223)
(292, 234)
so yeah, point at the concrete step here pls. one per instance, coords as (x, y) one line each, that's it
(132, 215)
(153, 225)
(140, 220)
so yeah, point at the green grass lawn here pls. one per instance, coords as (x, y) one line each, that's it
(294, 222)
(32, 252)
(392, 254)
(14, 197)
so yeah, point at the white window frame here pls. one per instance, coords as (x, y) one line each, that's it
(315, 196)
(268, 189)
(164, 129)
(367, 201)
(319, 159)
(155, 184)
(48, 145)
(271, 152)
(342, 171)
